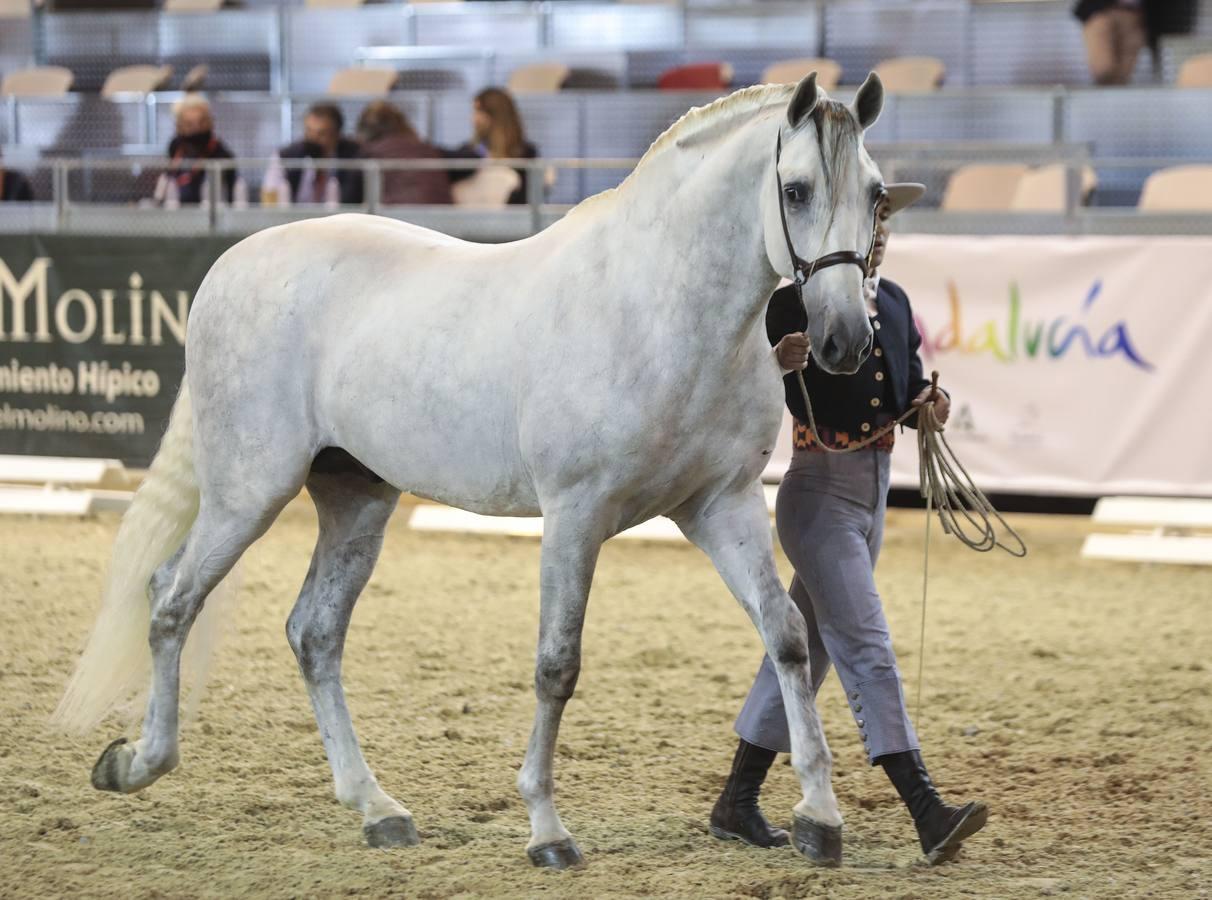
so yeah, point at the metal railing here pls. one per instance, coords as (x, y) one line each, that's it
(128, 203)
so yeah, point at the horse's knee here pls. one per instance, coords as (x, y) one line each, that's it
(555, 676)
(315, 647)
(786, 633)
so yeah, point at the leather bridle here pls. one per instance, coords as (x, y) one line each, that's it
(803, 269)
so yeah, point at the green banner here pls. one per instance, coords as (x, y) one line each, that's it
(92, 340)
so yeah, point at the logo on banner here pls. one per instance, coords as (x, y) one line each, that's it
(1015, 338)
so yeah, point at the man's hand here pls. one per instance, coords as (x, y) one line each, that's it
(792, 352)
(942, 404)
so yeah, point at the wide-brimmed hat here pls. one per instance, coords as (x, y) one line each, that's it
(903, 194)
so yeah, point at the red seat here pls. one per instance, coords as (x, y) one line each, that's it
(714, 76)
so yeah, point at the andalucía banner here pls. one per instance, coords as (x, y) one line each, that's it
(1077, 366)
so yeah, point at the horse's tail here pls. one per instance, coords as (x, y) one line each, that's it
(113, 671)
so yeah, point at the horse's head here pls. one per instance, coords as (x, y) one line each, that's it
(829, 188)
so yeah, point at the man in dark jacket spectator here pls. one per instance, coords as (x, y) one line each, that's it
(322, 139)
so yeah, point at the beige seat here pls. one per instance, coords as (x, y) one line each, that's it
(1043, 189)
(792, 71)
(911, 73)
(540, 78)
(982, 187)
(333, 4)
(191, 6)
(195, 78)
(15, 9)
(1196, 72)
(1178, 189)
(362, 82)
(489, 186)
(136, 80)
(43, 81)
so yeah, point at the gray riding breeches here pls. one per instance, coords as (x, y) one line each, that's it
(830, 517)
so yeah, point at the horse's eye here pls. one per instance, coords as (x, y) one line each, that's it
(795, 193)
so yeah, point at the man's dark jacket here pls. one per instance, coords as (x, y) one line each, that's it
(349, 180)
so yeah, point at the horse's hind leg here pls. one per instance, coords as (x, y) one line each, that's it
(353, 511)
(570, 552)
(219, 535)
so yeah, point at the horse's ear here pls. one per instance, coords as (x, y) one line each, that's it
(869, 101)
(803, 101)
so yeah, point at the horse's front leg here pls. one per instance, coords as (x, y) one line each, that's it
(734, 530)
(570, 551)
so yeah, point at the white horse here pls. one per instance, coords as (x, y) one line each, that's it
(610, 369)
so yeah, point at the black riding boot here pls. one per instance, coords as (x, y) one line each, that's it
(736, 816)
(940, 826)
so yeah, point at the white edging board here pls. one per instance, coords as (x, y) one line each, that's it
(41, 501)
(1153, 547)
(427, 517)
(60, 470)
(1170, 521)
(1152, 512)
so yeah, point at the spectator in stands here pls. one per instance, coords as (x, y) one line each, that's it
(322, 139)
(385, 133)
(14, 187)
(497, 133)
(1115, 31)
(191, 147)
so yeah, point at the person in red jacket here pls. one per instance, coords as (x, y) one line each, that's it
(385, 133)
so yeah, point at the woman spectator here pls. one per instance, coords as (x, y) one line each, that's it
(497, 134)
(188, 152)
(386, 134)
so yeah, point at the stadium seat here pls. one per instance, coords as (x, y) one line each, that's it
(1196, 72)
(1043, 189)
(539, 78)
(136, 80)
(15, 9)
(333, 4)
(191, 6)
(1178, 189)
(42, 81)
(911, 73)
(489, 186)
(195, 78)
(982, 187)
(791, 71)
(713, 76)
(362, 82)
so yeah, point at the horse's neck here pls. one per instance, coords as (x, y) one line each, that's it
(687, 227)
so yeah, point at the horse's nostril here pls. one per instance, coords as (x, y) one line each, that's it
(831, 352)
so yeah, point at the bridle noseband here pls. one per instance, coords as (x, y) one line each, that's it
(804, 270)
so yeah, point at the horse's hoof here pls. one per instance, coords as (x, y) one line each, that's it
(557, 855)
(112, 770)
(394, 831)
(820, 844)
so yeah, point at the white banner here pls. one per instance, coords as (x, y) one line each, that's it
(1075, 365)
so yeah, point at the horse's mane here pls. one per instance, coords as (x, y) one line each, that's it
(737, 105)
(716, 117)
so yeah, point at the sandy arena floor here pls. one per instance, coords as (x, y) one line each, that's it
(1073, 697)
